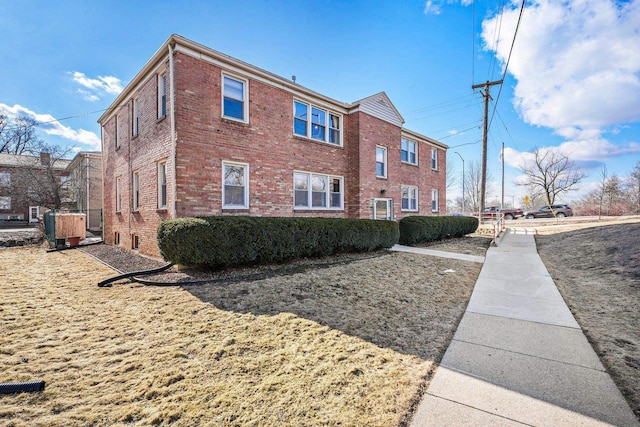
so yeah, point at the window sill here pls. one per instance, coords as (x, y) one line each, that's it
(231, 120)
(410, 210)
(382, 177)
(409, 163)
(161, 118)
(235, 208)
(133, 137)
(162, 210)
(317, 141)
(118, 212)
(136, 211)
(303, 209)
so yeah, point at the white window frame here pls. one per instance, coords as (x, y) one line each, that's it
(245, 204)
(135, 117)
(5, 202)
(328, 128)
(117, 131)
(245, 96)
(5, 179)
(118, 195)
(434, 201)
(389, 209)
(328, 192)
(384, 149)
(409, 144)
(162, 94)
(409, 188)
(434, 159)
(162, 183)
(136, 191)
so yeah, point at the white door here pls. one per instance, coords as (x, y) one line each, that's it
(382, 209)
(34, 213)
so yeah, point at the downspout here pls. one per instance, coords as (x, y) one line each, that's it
(173, 133)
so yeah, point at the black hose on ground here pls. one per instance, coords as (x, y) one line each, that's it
(9, 388)
(107, 282)
(64, 248)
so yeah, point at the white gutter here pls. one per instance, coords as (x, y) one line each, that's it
(172, 213)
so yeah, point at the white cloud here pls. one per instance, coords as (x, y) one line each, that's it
(434, 7)
(96, 87)
(49, 125)
(576, 62)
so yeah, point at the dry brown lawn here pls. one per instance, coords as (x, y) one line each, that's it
(349, 344)
(597, 271)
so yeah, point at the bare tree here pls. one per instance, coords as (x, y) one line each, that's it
(18, 136)
(472, 183)
(41, 180)
(551, 174)
(603, 187)
(632, 188)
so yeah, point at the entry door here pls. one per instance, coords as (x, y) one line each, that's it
(34, 213)
(382, 209)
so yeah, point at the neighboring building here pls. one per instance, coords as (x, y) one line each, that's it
(30, 183)
(85, 178)
(198, 133)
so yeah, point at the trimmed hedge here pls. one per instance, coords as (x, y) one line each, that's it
(223, 241)
(422, 229)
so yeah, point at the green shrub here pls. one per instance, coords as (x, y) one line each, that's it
(223, 241)
(422, 229)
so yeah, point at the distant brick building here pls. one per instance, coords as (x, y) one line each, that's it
(85, 178)
(199, 133)
(31, 184)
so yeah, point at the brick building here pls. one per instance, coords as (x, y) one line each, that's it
(199, 133)
(31, 184)
(85, 178)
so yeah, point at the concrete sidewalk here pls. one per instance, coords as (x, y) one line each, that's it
(518, 356)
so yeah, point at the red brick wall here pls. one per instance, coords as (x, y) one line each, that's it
(204, 140)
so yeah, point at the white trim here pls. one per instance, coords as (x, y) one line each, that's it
(162, 91)
(135, 185)
(417, 198)
(389, 203)
(415, 151)
(118, 194)
(434, 159)
(327, 123)
(245, 204)
(245, 96)
(328, 192)
(386, 161)
(162, 166)
(434, 199)
(135, 117)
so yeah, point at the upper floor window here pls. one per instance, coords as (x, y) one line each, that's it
(117, 131)
(135, 118)
(381, 162)
(162, 185)
(136, 191)
(5, 179)
(315, 191)
(434, 201)
(316, 123)
(434, 159)
(409, 198)
(162, 95)
(409, 152)
(234, 98)
(235, 185)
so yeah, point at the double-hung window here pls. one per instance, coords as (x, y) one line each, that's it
(316, 191)
(162, 185)
(381, 162)
(434, 159)
(118, 195)
(5, 202)
(135, 118)
(136, 191)
(117, 131)
(5, 179)
(235, 185)
(162, 95)
(409, 152)
(316, 123)
(234, 98)
(409, 198)
(434, 200)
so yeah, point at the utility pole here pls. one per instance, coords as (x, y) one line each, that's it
(502, 158)
(485, 128)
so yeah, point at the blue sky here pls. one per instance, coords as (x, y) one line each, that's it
(573, 83)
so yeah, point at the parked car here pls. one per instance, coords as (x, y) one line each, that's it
(494, 211)
(545, 212)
